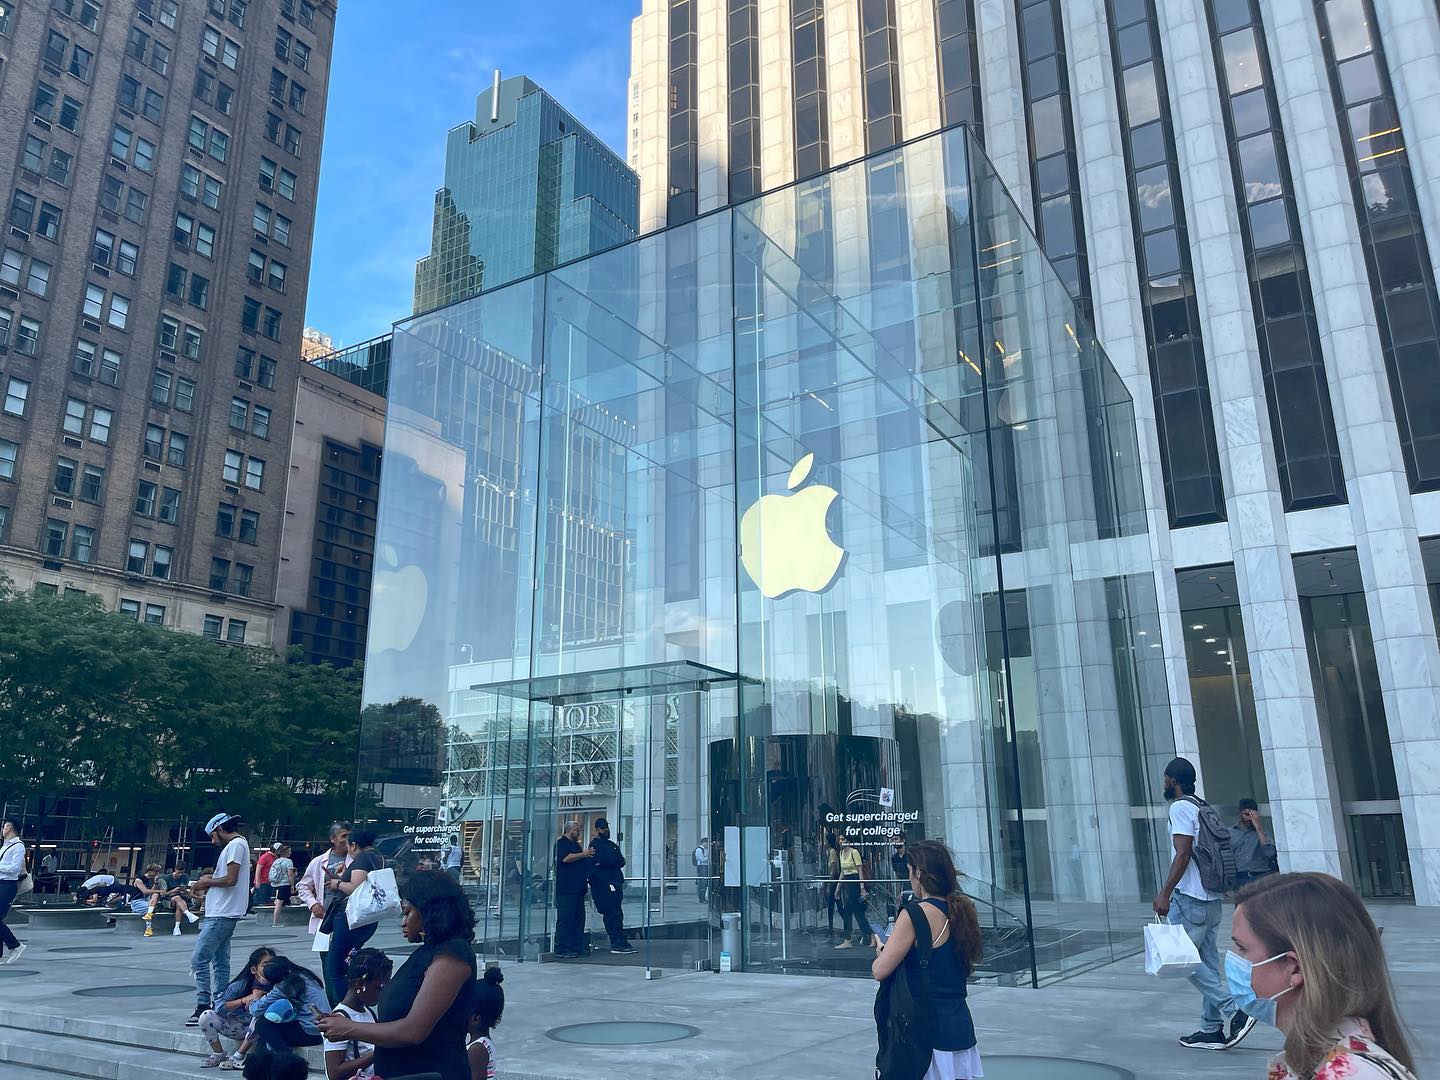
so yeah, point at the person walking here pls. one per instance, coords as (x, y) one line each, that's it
(571, 876)
(701, 859)
(282, 881)
(830, 891)
(1306, 958)
(455, 858)
(1255, 855)
(262, 874)
(852, 894)
(1185, 901)
(607, 887)
(343, 940)
(316, 889)
(226, 895)
(424, 1010)
(952, 925)
(12, 869)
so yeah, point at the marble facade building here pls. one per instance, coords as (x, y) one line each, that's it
(1244, 197)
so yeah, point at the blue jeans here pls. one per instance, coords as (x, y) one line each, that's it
(211, 960)
(343, 942)
(1201, 920)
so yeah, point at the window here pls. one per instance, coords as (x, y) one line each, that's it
(239, 413)
(192, 343)
(179, 449)
(155, 613)
(121, 139)
(17, 391)
(275, 278)
(176, 279)
(119, 313)
(110, 362)
(267, 174)
(43, 104)
(65, 471)
(27, 339)
(237, 12)
(169, 333)
(70, 115)
(130, 608)
(100, 420)
(249, 527)
(138, 44)
(260, 422)
(250, 315)
(94, 304)
(235, 632)
(292, 140)
(199, 291)
(22, 209)
(219, 145)
(146, 495)
(135, 201)
(213, 625)
(184, 394)
(244, 575)
(231, 469)
(225, 520)
(197, 134)
(283, 38)
(266, 377)
(245, 363)
(154, 445)
(287, 185)
(55, 534)
(74, 421)
(92, 483)
(53, 52)
(161, 384)
(160, 563)
(7, 16)
(170, 506)
(111, 192)
(160, 58)
(59, 170)
(82, 543)
(255, 270)
(219, 574)
(154, 107)
(297, 97)
(6, 316)
(12, 265)
(86, 353)
(274, 128)
(254, 473)
(300, 56)
(47, 226)
(307, 14)
(33, 155)
(277, 84)
(80, 62)
(9, 453)
(37, 280)
(184, 234)
(136, 556)
(220, 48)
(271, 327)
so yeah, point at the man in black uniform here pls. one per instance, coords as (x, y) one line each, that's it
(607, 886)
(570, 876)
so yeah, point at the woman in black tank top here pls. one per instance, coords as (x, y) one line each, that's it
(956, 949)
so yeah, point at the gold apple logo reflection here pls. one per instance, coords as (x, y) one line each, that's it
(785, 545)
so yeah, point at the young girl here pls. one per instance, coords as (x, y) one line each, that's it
(366, 976)
(487, 1005)
(287, 1015)
(1307, 959)
(232, 1018)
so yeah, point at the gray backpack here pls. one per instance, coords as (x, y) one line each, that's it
(1212, 852)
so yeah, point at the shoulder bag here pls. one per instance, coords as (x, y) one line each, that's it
(905, 1011)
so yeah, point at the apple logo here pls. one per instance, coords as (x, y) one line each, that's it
(785, 545)
(399, 597)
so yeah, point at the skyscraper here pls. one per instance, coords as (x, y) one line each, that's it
(1245, 197)
(161, 160)
(527, 187)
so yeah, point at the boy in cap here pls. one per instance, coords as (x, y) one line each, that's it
(227, 900)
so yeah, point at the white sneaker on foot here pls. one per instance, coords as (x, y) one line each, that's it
(192, 917)
(14, 954)
(176, 931)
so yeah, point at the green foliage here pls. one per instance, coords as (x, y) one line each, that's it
(168, 724)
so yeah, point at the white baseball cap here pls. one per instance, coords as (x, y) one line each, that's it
(218, 820)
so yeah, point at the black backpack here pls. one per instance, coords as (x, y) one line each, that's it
(1212, 852)
(905, 1011)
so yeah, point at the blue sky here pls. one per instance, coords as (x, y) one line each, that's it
(401, 77)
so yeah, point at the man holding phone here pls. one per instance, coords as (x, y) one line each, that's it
(1255, 856)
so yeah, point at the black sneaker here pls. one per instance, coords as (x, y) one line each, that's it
(194, 1020)
(1240, 1026)
(1206, 1040)
(623, 950)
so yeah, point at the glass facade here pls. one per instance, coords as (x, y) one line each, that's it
(744, 80)
(687, 535)
(527, 187)
(959, 63)
(812, 106)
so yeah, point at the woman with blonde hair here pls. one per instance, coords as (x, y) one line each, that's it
(1307, 959)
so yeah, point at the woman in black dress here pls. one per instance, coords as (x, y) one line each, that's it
(424, 1011)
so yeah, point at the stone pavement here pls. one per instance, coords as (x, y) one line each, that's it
(750, 1025)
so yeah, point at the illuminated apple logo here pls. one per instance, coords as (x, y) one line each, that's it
(784, 544)
(398, 596)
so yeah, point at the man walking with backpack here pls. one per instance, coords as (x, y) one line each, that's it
(1202, 870)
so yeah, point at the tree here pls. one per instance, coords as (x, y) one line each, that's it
(146, 717)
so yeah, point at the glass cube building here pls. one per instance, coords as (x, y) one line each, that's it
(817, 513)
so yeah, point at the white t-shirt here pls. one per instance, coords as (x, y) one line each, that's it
(1185, 821)
(232, 902)
(364, 1015)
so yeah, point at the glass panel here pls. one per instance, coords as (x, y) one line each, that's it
(688, 536)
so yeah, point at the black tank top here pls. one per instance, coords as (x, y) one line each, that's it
(443, 1050)
(948, 973)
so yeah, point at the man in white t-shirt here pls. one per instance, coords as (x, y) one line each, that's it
(1185, 901)
(227, 901)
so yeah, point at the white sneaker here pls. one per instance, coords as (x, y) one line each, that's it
(14, 954)
(192, 917)
(176, 931)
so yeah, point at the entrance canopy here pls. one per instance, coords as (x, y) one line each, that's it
(676, 677)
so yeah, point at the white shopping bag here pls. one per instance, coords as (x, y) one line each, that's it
(321, 942)
(377, 896)
(1169, 952)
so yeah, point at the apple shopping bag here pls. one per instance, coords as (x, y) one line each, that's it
(377, 896)
(1169, 952)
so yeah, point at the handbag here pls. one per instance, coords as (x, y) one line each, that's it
(1169, 952)
(376, 897)
(905, 1012)
(332, 912)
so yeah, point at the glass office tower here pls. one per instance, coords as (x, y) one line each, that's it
(689, 535)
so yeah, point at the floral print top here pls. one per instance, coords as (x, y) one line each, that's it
(1353, 1057)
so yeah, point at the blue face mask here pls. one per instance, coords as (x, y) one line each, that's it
(1238, 972)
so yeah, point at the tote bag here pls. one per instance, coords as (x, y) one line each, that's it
(377, 897)
(1169, 952)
